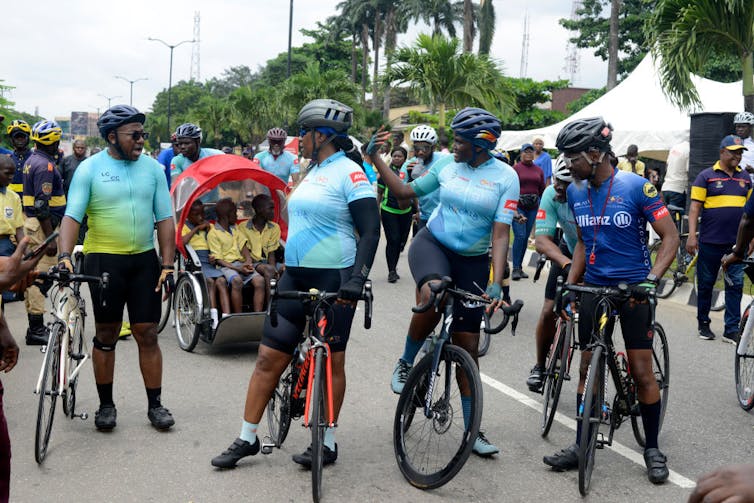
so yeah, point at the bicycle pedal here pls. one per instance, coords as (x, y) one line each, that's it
(266, 448)
(43, 349)
(83, 416)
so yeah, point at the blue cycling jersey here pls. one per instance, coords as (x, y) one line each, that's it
(282, 167)
(614, 228)
(428, 202)
(320, 227)
(470, 201)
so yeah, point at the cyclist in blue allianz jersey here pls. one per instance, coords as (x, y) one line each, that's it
(277, 160)
(477, 197)
(612, 208)
(332, 202)
(553, 213)
(123, 192)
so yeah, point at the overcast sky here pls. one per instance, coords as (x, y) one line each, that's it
(61, 55)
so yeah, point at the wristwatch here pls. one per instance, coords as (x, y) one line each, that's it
(652, 279)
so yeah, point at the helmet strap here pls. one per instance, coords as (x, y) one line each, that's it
(316, 149)
(595, 164)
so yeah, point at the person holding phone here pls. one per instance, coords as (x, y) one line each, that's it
(44, 206)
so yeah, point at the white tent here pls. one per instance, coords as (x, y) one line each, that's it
(640, 113)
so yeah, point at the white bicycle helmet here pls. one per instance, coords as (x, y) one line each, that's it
(743, 118)
(424, 133)
(561, 171)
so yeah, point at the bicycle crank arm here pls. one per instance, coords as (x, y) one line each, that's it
(83, 416)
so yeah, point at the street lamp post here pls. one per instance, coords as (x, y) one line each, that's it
(109, 98)
(131, 82)
(170, 74)
(290, 33)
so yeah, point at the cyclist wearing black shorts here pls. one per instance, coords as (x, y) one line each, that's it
(553, 214)
(123, 193)
(322, 252)
(612, 208)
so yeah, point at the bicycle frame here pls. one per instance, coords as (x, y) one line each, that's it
(317, 344)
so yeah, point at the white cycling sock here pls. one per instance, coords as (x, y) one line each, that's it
(330, 438)
(249, 432)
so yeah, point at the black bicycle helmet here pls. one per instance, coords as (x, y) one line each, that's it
(116, 116)
(477, 126)
(326, 113)
(189, 130)
(584, 134)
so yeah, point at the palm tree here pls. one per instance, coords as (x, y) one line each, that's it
(254, 111)
(314, 83)
(439, 14)
(442, 75)
(359, 16)
(686, 34)
(469, 31)
(396, 21)
(486, 26)
(213, 115)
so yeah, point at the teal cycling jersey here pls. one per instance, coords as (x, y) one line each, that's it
(123, 200)
(180, 163)
(552, 213)
(428, 202)
(320, 227)
(282, 167)
(470, 201)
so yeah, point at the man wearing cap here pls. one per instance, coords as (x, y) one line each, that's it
(718, 194)
(542, 159)
(631, 162)
(19, 132)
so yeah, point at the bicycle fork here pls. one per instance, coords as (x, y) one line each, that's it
(310, 384)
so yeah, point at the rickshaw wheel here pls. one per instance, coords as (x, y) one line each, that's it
(186, 314)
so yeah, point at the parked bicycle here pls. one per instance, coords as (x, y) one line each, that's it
(305, 389)
(595, 409)
(682, 269)
(430, 440)
(66, 350)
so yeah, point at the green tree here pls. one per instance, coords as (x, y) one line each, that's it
(212, 114)
(183, 96)
(254, 110)
(528, 94)
(441, 15)
(686, 34)
(358, 16)
(314, 83)
(440, 74)
(587, 98)
(486, 26)
(396, 21)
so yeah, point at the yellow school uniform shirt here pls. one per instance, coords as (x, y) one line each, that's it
(260, 244)
(12, 214)
(225, 245)
(198, 241)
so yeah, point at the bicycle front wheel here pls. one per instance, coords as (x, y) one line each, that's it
(484, 340)
(48, 393)
(167, 307)
(591, 417)
(668, 282)
(279, 407)
(431, 448)
(661, 370)
(318, 423)
(554, 374)
(75, 356)
(745, 365)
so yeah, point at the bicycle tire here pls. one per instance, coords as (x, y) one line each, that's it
(591, 417)
(410, 424)
(75, 354)
(668, 283)
(484, 341)
(47, 394)
(554, 376)
(661, 369)
(167, 307)
(744, 367)
(187, 319)
(318, 423)
(279, 407)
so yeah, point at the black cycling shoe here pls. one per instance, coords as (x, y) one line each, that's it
(305, 458)
(657, 469)
(105, 417)
(566, 459)
(535, 380)
(237, 450)
(160, 417)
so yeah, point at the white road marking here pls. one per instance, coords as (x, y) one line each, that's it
(675, 477)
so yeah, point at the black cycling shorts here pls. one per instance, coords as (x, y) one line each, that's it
(634, 323)
(133, 279)
(551, 287)
(292, 318)
(428, 259)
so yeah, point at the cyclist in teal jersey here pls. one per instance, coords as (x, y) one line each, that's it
(277, 160)
(123, 193)
(477, 197)
(189, 140)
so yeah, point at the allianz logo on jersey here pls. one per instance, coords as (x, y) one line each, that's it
(107, 177)
(621, 220)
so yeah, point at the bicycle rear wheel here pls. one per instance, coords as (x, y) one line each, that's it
(187, 316)
(279, 407)
(591, 417)
(317, 422)
(48, 393)
(75, 355)
(430, 451)
(668, 283)
(554, 373)
(661, 369)
(745, 365)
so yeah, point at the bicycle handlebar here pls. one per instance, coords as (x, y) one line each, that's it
(65, 277)
(318, 296)
(541, 261)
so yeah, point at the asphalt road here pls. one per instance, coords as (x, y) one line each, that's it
(704, 427)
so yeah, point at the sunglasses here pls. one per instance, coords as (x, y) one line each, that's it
(136, 135)
(302, 132)
(422, 148)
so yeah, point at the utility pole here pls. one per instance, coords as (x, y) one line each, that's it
(170, 74)
(290, 34)
(525, 48)
(195, 72)
(131, 82)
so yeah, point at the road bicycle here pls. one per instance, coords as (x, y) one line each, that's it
(744, 363)
(305, 388)
(66, 350)
(595, 409)
(430, 440)
(682, 269)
